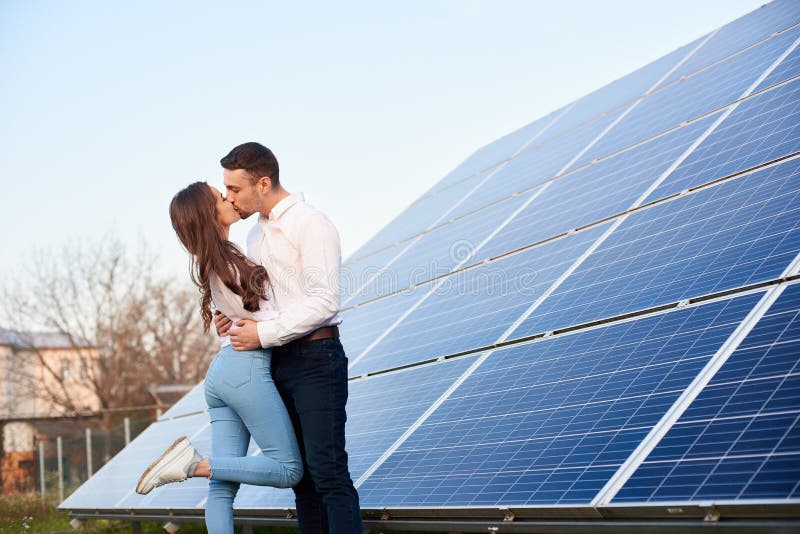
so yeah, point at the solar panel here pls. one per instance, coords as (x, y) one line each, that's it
(443, 248)
(379, 410)
(596, 316)
(740, 439)
(593, 192)
(424, 212)
(700, 93)
(192, 402)
(788, 68)
(113, 485)
(187, 494)
(618, 94)
(363, 325)
(358, 275)
(761, 129)
(743, 32)
(473, 308)
(538, 163)
(549, 422)
(737, 233)
(489, 156)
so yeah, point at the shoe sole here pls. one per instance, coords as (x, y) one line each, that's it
(149, 470)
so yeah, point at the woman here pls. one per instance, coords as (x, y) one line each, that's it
(242, 399)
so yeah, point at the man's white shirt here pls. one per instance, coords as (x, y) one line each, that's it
(300, 248)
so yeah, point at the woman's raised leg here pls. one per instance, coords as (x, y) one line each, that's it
(259, 405)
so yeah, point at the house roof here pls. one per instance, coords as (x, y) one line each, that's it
(40, 340)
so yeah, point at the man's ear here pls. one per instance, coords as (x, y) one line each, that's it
(264, 184)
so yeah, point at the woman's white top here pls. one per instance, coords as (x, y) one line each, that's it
(230, 304)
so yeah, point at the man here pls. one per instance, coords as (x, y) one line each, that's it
(300, 249)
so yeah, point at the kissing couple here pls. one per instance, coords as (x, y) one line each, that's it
(280, 376)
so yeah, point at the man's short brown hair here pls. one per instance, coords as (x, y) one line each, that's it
(256, 159)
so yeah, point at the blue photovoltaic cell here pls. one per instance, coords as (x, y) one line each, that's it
(417, 217)
(788, 68)
(192, 402)
(690, 98)
(379, 410)
(114, 483)
(263, 498)
(549, 422)
(489, 156)
(534, 165)
(363, 324)
(743, 32)
(619, 93)
(740, 232)
(440, 250)
(594, 192)
(474, 307)
(740, 438)
(760, 129)
(355, 274)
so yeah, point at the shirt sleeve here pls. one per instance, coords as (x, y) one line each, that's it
(320, 256)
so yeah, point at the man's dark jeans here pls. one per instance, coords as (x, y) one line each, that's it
(312, 379)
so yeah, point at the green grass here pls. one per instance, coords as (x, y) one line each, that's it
(28, 514)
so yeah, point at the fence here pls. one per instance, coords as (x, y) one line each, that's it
(67, 452)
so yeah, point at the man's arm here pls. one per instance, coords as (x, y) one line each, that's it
(320, 254)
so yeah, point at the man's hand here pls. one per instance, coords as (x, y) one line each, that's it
(222, 323)
(245, 335)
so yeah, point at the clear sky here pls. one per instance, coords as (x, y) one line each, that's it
(107, 108)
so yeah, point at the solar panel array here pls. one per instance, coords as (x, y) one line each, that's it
(600, 309)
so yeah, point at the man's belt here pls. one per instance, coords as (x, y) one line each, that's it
(326, 332)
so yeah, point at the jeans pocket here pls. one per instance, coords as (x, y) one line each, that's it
(237, 371)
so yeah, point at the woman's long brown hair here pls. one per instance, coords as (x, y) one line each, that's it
(193, 212)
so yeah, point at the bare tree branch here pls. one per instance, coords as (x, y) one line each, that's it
(125, 327)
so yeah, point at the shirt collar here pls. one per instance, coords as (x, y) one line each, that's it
(281, 207)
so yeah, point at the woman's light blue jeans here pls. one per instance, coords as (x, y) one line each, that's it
(243, 402)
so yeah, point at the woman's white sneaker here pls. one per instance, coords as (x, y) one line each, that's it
(172, 466)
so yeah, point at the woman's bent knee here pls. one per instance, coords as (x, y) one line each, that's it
(292, 473)
(295, 474)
